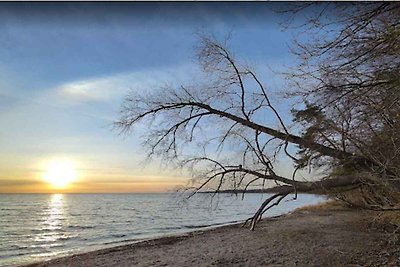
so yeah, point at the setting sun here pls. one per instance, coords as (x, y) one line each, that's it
(60, 173)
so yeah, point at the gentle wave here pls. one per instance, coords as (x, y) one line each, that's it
(80, 227)
(209, 225)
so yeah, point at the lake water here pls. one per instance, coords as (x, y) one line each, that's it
(36, 227)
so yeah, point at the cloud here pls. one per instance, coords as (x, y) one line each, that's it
(112, 87)
(97, 89)
(18, 182)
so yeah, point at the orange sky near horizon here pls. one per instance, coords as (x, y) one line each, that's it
(142, 187)
(87, 180)
(35, 186)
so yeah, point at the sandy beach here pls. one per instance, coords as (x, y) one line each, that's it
(324, 236)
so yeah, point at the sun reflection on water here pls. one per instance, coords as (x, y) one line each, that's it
(55, 213)
(50, 233)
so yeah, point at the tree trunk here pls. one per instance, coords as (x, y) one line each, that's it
(324, 150)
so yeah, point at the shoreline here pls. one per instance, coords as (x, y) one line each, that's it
(134, 242)
(89, 227)
(328, 235)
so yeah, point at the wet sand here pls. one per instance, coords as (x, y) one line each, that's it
(328, 236)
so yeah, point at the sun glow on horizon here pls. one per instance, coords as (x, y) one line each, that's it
(60, 173)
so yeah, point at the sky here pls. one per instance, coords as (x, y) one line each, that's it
(66, 67)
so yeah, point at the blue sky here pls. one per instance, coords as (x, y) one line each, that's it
(65, 68)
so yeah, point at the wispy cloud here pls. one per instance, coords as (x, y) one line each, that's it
(112, 87)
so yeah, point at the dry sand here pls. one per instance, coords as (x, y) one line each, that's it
(333, 236)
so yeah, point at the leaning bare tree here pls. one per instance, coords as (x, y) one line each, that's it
(228, 132)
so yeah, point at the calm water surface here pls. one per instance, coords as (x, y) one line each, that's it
(36, 227)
